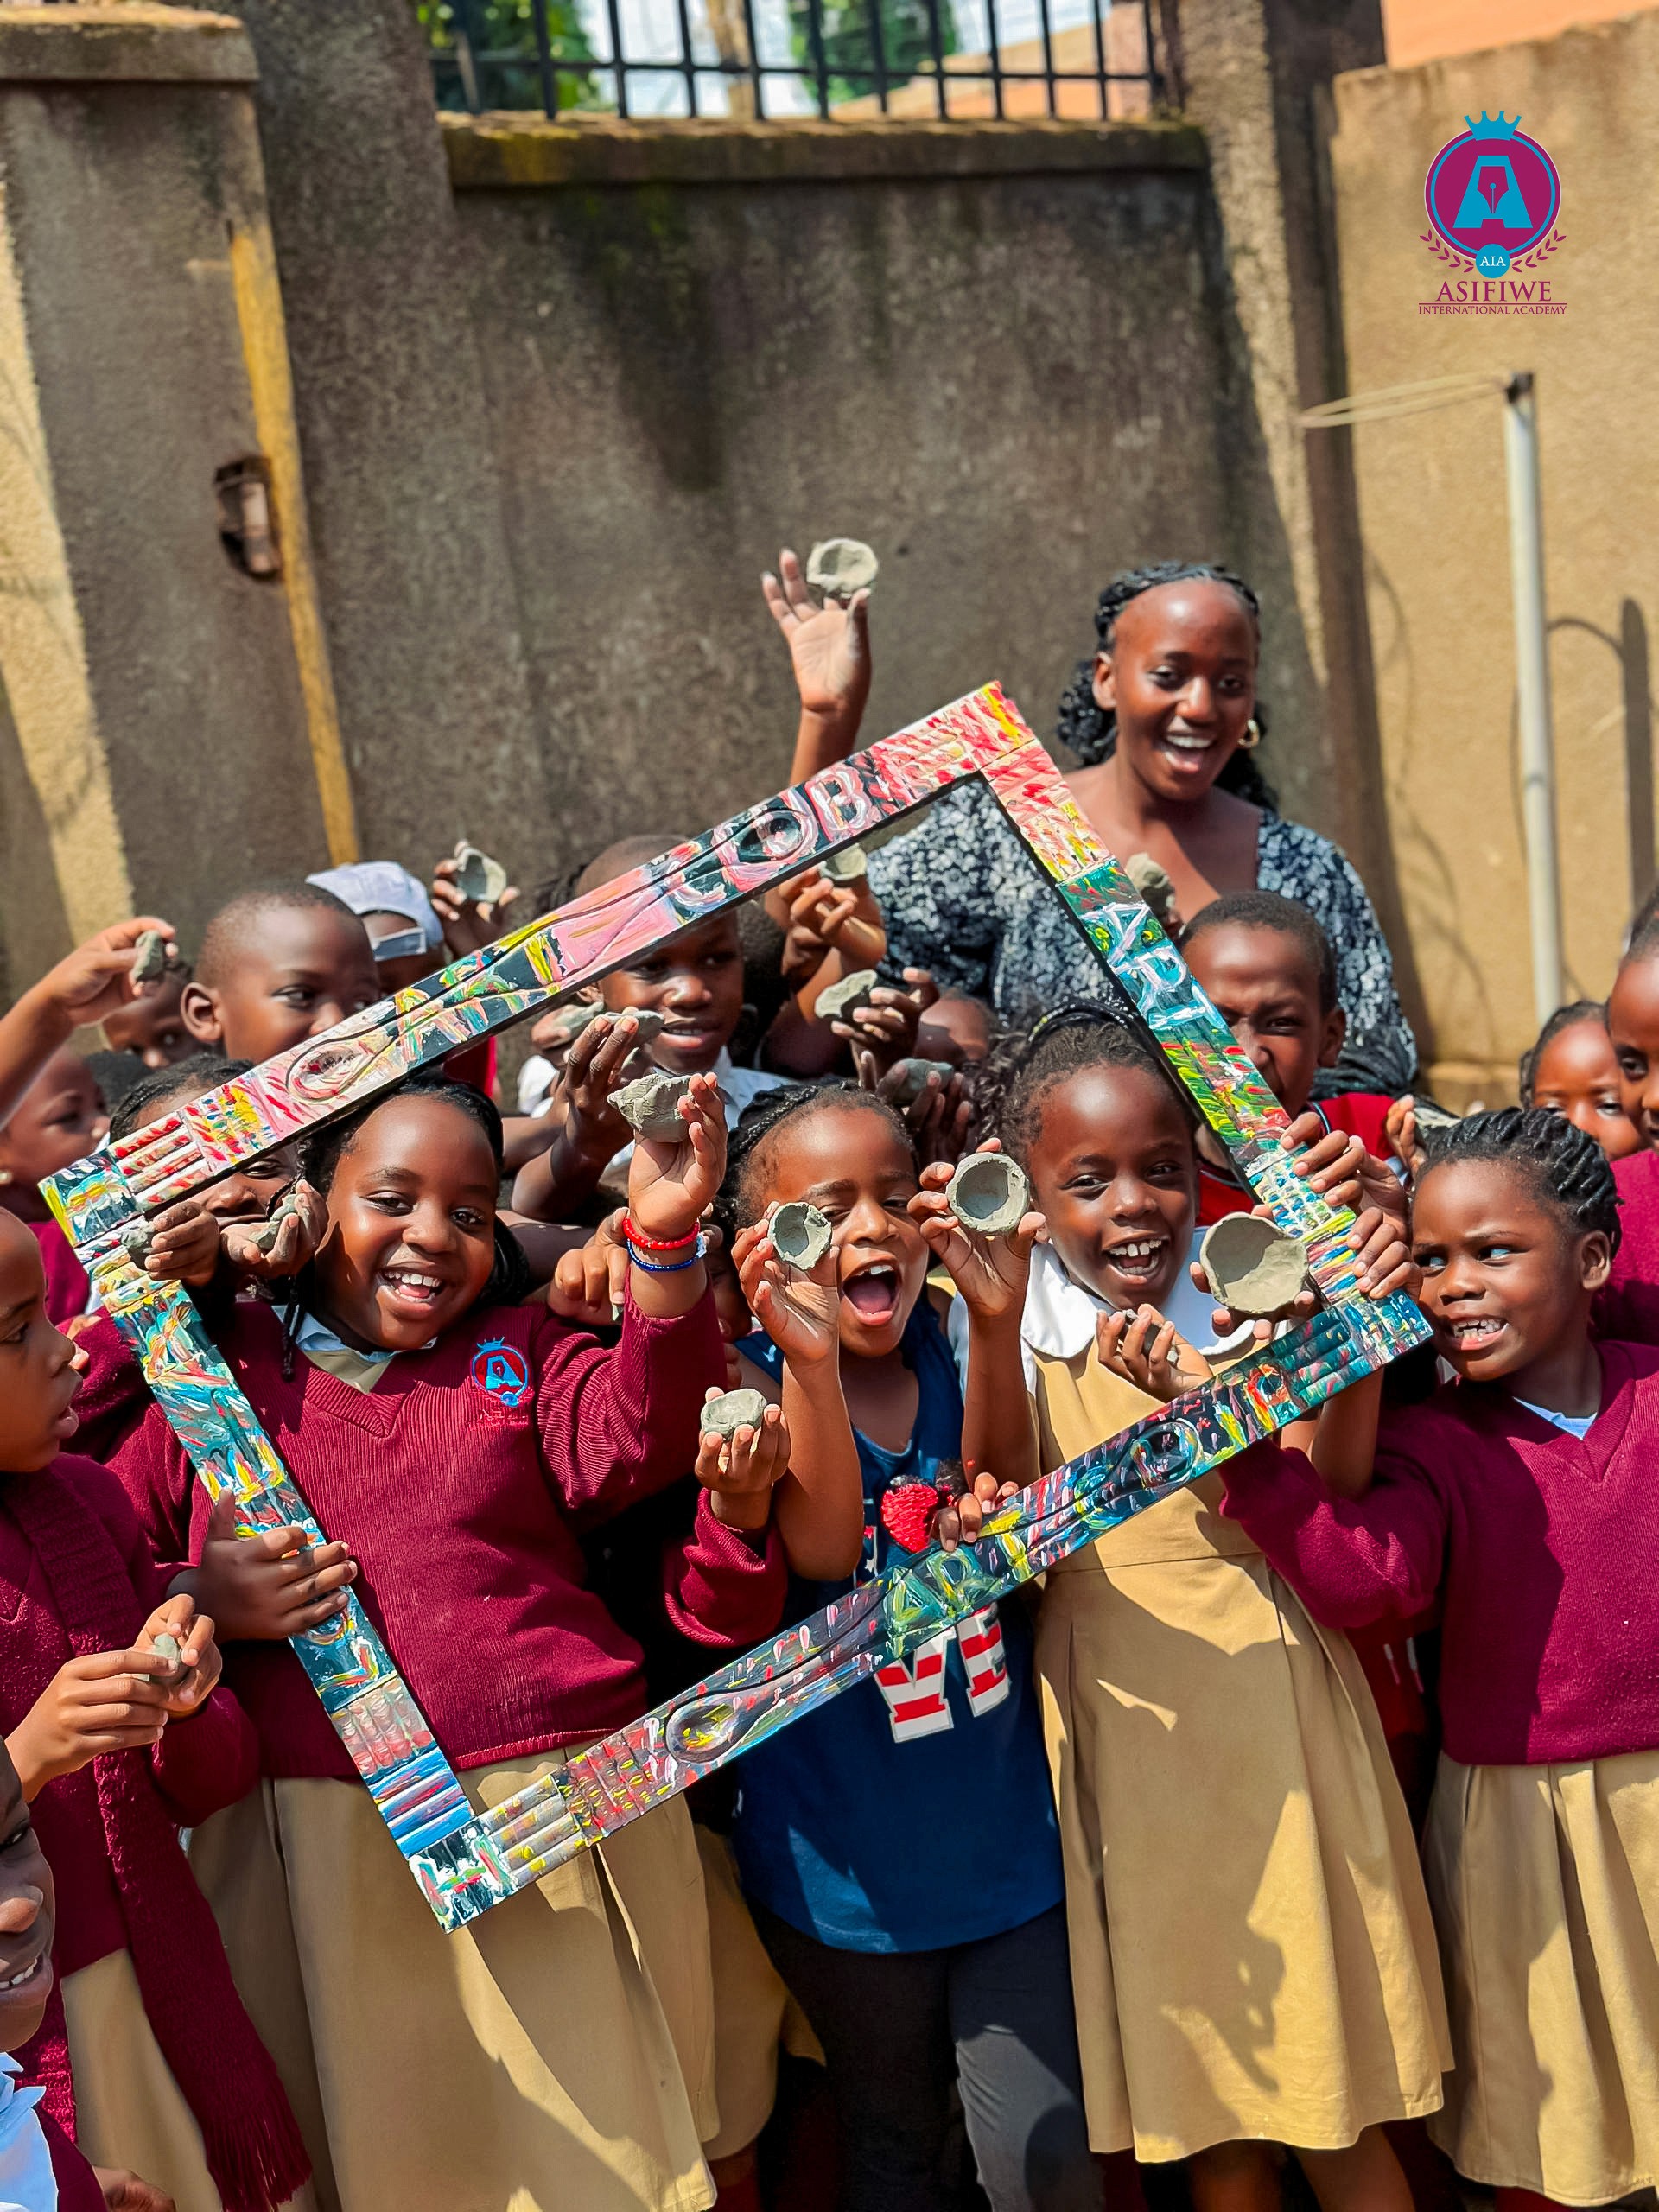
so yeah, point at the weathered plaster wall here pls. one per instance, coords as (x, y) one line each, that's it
(1434, 516)
(997, 362)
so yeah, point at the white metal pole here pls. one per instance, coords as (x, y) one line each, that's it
(1532, 686)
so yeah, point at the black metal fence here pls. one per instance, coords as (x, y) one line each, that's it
(775, 59)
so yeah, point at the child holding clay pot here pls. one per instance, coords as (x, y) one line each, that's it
(848, 1824)
(1252, 1956)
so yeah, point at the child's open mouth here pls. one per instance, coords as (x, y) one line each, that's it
(414, 1289)
(1473, 1333)
(872, 1293)
(1138, 1259)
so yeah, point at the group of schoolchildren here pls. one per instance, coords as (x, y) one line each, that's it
(1301, 1836)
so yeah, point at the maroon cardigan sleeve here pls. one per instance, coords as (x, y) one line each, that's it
(113, 1394)
(1350, 1560)
(77, 2185)
(722, 1588)
(152, 1467)
(622, 1423)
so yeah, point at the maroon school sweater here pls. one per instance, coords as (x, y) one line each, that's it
(461, 1482)
(1629, 1307)
(1542, 1546)
(199, 1765)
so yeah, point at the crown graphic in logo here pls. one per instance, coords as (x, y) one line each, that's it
(1487, 129)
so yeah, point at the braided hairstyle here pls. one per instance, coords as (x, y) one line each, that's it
(1565, 1017)
(740, 1201)
(1013, 1081)
(1090, 729)
(1563, 1164)
(181, 1081)
(508, 1282)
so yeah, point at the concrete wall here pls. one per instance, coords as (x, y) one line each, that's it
(988, 350)
(1433, 522)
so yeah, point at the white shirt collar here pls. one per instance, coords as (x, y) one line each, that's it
(26, 2181)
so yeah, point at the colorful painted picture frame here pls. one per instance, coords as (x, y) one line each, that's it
(465, 1861)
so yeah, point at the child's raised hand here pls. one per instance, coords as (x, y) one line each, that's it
(842, 915)
(990, 1272)
(105, 1702)
(1228, 1325)
(1339, 1167)
(961, 1522)
(301, 1219)
(800, 1313)
(1399, 1124)
(829, 645)
(1149, 1351)
(938, 1118)
(188, 1681)
(669, 1186)
(183, 1245)
(595, 1065)
(886, 1025)
(267, 1587)
(1384, 1256)
(97, 977)
(740, 1471)
(590, 1284)
(468, 925)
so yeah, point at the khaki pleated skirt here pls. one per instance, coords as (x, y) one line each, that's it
(754, 2013)
(527, 2063)
(1546, 1888)
(1252, 1953)
(129, 2109)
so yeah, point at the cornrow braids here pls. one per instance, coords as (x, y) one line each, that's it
(1565, 1017)
(1090, 729)
(1021, 1071)
(191, 1077)
(509, 1280)
(739, 1202)
(1565, 1165)
(1267, 910)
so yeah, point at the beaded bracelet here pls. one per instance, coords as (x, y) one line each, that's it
(659, 1243)
(666, 1266)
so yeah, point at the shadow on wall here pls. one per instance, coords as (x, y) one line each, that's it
(41, 935)
(1630, 649)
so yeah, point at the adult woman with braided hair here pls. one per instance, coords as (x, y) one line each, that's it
(1164, 720)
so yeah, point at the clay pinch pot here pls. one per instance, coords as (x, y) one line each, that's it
(990, 1194)
(648, 1105)
(800, 1235)
(838, 567)
(136, 1240)
(914, 1079)
(732, 1410)
(165, 1647)
(477, 876)
(842, 999)
(850, 864)
(1253, 1267)
(271, 1228)
(1152, 882)
(151, 964)
(571, 1020)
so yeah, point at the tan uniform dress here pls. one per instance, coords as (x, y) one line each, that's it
(1546, 1888)
(1252, 1953)
(129, 2110)
(526, 2063)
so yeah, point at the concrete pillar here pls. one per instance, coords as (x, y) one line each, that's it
(169, 729)
(1255, 75)
(406, 498)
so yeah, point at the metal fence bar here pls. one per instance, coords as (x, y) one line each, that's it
(815, 39)
(687, 64)
(1100, 57)
(995, 38)
(935, 43)
(879, 53)
(619, 60)
(544, 59)
(1048, 57)
(756, 72)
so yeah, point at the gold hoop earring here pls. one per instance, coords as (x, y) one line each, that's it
(1252, 736)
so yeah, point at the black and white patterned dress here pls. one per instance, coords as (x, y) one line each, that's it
(961, 896)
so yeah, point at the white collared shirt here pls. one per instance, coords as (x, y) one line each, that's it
(26, 2181)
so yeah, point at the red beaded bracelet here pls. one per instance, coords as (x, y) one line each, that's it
(659, 1243)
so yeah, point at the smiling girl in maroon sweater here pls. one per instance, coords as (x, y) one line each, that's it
(1523, 1494)
(456, 1445)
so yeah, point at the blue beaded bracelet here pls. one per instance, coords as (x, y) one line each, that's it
(667, 1267)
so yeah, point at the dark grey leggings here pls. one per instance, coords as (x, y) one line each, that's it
(898, 2027)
